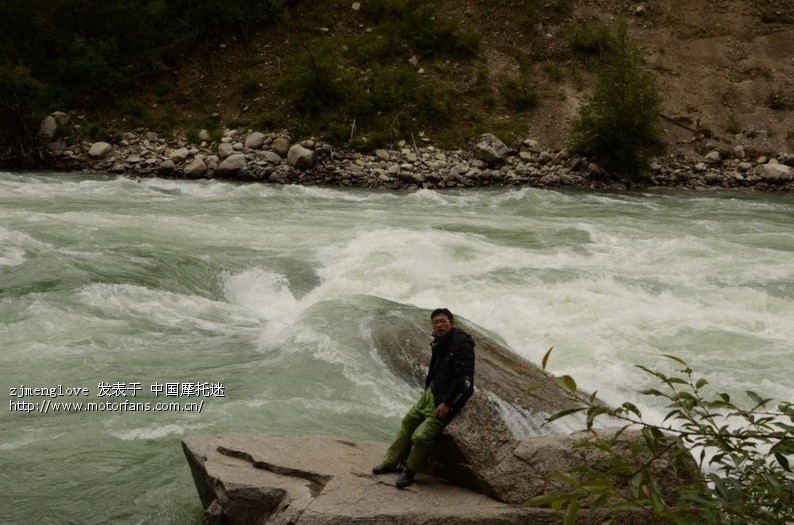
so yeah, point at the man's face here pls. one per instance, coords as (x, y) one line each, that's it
(441, 325)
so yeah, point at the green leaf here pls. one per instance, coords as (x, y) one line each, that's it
(542, 500)
(652, 392)
(532, 389)
(564, 413)
(567, 383)
(546, 358)
(676, 359)
(783, 462)
(756, 398)
(626, 507)
(570, 513)
(701, 383)
(631, 407)
(657, 502)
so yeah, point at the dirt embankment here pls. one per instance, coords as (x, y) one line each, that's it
(725, 68)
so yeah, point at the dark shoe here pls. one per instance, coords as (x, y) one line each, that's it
(383, 468)
(405, 479)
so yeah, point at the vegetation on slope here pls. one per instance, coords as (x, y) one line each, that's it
(360, 78)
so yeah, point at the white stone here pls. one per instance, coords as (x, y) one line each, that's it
(179, 155)
(281, 146)
(99, 149)
(232, 164)
(196, 169)
(255, 140)
(775, 172)
(300, 157)
(225, 149)
(48, 127)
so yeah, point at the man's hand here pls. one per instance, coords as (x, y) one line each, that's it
(442, 412)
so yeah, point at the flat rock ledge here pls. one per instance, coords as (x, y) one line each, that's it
(256, 480)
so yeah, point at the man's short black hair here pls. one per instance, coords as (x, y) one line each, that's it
(443, 311)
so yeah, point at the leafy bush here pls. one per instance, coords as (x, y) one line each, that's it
(405, 27)
(743, 451)
(315, 82)
(732, 126)
(80, 52)
(519, 94)
(358, 106)
(589, 39)
(618, 125)
(21, 96)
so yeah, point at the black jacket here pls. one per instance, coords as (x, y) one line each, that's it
(451, 373)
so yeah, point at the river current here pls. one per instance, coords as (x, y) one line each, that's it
(244, 308)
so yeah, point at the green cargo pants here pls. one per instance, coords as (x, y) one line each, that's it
(419, 429)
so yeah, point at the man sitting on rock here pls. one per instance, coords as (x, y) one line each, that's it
(449, 384)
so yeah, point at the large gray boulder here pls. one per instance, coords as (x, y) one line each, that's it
(196, 169)
(478, 448)
(775, 172)
(281, 146)
(259, 480)
(179, 155)
(232, 164)
(255, 140)
(490, 149)
(99, 149)
(225, 149)
(48, 127)
(300, 157)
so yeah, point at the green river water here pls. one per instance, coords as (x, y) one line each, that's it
(253, 300)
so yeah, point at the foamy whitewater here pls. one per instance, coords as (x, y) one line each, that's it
(268, 291)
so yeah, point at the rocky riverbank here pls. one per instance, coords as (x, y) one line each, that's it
(278, 159)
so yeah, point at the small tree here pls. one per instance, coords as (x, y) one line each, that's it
(618, 126)
(743, 452)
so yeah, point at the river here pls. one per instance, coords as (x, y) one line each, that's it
(250, 302)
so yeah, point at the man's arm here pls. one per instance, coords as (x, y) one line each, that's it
(462, 369)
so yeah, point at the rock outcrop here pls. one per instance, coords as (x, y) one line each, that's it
(245, 480)
(493, 453)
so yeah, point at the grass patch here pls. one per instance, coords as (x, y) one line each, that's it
(589, 39)
(732, 126)
(519, 94)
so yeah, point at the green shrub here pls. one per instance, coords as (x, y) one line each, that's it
(519, 94)
(212, 124)
(744, 453)
(405, 27)
(269, 120)
(552, 70)
(134, 113)
(732, 126)
(778, 100)
(78, 52)
(250, 84)
(22, 104)
(588, 39)
(618, 125)
(315, 81)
